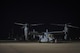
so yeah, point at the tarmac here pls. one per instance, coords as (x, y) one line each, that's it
(40, 47)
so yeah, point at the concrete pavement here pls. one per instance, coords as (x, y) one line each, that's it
(39, 47)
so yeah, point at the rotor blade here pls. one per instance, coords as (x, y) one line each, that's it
(58, 24)
(72, 26)
(36, 24)
(19, 23)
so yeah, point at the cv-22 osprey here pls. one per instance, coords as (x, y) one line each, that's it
(46, 37)
(25, 27)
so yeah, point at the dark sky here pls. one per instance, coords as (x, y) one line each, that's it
(37, 12)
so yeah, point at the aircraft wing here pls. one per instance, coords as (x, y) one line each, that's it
(58, 24)
(56, 32)
(35, 33)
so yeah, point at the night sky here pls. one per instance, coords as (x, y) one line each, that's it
(37, 12)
